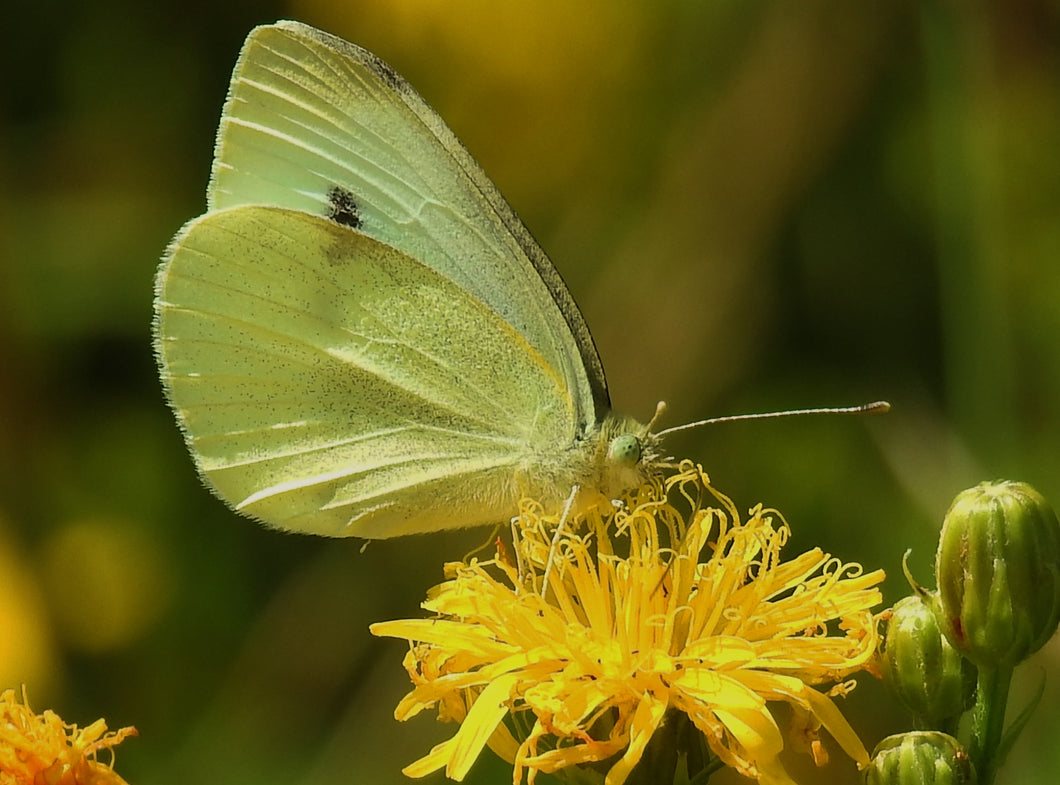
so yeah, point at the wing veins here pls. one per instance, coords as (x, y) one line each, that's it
(365, 437)
(421, 394)
(326, 477)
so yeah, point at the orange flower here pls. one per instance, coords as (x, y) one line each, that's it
(41, 749)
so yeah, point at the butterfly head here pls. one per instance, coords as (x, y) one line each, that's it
(631, 454)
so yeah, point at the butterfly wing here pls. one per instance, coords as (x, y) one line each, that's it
(315, 124)
(330, 383)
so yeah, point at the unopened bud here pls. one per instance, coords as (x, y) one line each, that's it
(922, 668)
(998, 573)
(919, 758)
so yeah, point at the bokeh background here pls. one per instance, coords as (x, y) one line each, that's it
(758, 205)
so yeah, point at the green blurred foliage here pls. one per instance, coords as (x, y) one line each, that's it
(759, 205)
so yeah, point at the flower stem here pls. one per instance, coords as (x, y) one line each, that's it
(988, 720)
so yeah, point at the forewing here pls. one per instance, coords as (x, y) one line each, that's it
(316, 124)
(329, 383)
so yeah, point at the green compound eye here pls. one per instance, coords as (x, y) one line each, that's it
(624, 450)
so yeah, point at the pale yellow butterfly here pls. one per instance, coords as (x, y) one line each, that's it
(359, 336)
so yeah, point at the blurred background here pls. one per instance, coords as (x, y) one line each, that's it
(758, 205)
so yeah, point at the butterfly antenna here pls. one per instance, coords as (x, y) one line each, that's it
(660, 407)
(876, 407)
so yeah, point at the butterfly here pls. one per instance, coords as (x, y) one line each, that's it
(359, 337)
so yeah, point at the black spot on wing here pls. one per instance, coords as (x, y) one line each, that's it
(343, 208)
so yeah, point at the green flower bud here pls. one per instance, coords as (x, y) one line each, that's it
(919, 758)
(922, 668)
(998, 573)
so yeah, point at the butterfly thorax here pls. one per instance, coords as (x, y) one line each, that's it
(614, 456)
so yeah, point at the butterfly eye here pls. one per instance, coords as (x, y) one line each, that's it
(624, 450)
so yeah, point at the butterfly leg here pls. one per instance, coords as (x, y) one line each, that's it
(560, 528)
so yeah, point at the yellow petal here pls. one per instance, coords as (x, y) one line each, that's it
(481, 721)
(646, 719)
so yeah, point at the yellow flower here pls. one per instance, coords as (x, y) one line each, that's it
(41, 749)
(650, 620)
